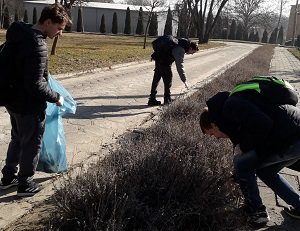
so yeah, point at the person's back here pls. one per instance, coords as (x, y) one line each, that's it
(32, 59)
(266, 138)
(267, 128)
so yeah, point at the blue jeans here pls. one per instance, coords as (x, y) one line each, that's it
(247, 166)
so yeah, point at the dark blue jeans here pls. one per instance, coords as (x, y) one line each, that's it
(25, 146)
(164, 72)
(247, 166)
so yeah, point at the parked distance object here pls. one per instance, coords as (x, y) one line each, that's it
(289, 42)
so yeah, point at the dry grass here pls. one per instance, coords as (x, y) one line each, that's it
(78, 52)
(167, 177)
(295, 51)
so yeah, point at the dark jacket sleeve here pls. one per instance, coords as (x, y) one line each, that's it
(254, 125)
(36, 72)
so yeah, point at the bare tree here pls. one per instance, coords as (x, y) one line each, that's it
(151, 6)
(277, 7)
(267, 20)
(205, 14)
(263, 15)
(248, 12)
(280, 13)
(182, 16)
(12, 5)
(68, 4)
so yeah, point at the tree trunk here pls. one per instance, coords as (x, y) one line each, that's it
(146, 30)
(199, 12)
(53, 50)
(280, 13)
(2, 12)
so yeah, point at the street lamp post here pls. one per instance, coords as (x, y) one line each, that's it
(295, 23)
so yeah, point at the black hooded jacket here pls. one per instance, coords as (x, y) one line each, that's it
(30, 74)
(166, 57)
(254, 124)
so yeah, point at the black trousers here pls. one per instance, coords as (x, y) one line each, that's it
(25, 146)
(164, 72)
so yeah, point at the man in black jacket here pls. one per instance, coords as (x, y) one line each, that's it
(163, 62)
(266, 139)
(27, 110)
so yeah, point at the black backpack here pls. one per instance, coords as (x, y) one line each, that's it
(164, 43)
(7, 56)
(184, 43)
(273, 90)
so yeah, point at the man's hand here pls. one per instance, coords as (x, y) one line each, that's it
(186, 85)
(60, 102)
(237, 150)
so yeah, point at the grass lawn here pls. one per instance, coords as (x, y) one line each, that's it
(295, 51)
(87, 51)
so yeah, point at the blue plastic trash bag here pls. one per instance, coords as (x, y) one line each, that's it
(53, 156)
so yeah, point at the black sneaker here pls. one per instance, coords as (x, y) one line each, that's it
(154, 102)
(7, 183)
(246, 210)
(28, 190)
(292, 212)
(168, 100)
(259, 216)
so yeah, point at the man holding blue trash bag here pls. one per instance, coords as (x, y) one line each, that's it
(27, 111)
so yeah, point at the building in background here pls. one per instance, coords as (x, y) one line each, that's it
(291, 24)
(93, 11)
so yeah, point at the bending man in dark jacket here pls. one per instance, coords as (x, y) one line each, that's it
(266, 139)
(27, 111)
(163, 62)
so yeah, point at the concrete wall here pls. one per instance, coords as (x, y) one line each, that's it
(92, 14)
(92, 19)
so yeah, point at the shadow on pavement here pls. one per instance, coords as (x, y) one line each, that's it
(120, 97)
(115, 97)
(105, 111)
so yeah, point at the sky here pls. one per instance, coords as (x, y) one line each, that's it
(286, 10)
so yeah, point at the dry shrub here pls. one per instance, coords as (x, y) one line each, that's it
(167, 177)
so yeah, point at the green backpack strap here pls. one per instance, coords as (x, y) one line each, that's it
(271, 79)
(254, 84)
(273, 90)
(246, 86)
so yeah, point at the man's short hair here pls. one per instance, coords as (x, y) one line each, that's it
(56, 13)
(205, 120)
(194, 46)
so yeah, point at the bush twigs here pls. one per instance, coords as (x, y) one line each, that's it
(168, 177)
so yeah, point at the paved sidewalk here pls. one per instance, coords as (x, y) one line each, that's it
(114, 101)
(284, 65)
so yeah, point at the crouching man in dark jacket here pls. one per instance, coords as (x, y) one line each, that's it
(27, 109)
(266, 139)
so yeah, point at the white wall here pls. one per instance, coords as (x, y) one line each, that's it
(92, 13)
